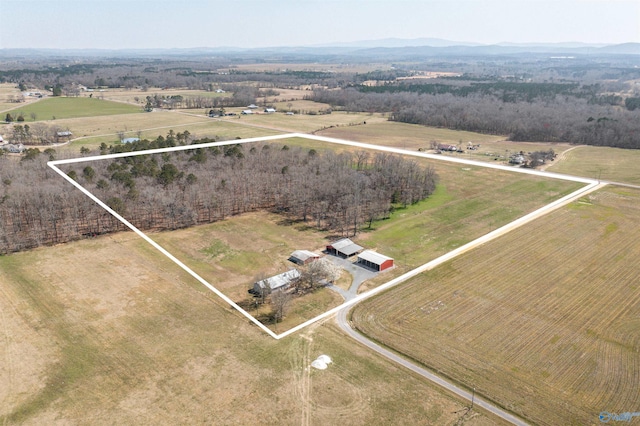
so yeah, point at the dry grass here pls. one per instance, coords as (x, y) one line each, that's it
(106, 331)
(406, 136)
(130, 95)
(413, 137)
(10, 91)
(544, 321)
(598, 162)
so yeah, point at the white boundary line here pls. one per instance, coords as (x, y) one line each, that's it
(592, 186)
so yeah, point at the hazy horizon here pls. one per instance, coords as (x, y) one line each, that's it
(147, 24)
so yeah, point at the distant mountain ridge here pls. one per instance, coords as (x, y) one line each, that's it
(394, 48)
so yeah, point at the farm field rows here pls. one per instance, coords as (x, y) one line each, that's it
(106, 331)
(543, 321)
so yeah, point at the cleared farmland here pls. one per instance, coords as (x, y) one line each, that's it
(59, 107)
(543, 321)
(105, 331)
(599, 162)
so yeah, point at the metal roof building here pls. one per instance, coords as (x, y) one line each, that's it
(282, 281)
(302, 257)
(344, 248)
(374, 260)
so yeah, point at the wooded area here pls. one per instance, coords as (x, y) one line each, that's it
(586, 100)
(543, 112)
(340, 193)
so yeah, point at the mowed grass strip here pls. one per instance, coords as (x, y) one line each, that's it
(59, 108)
(543, 321)
(128, 337)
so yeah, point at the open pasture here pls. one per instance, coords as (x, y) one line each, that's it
(8, 93)
(406, 136)
(599, 162)
(130, 95)
(105, 331)
(306, 123)
(234, 253)
(59, 108)
(414, 137)
(543, 321)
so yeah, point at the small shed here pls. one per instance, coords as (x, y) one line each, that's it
(64, 135)
(246, 112)
(130, 140)
(303, 257)
(269, 110)
(375, 261)
(344, 248)
(280, 281)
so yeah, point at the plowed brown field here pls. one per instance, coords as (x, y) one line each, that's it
(544, 321)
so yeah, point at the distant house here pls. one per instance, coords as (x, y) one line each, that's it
(63, 135)
(14, 149)
(130, 140)
(269, 110)
(220, 91)
(280, 281)
(517, 159)
(344, 248)
(252, 106)
(290, 113)
(376, 261)
(303, 257)
(447, 147)
(246, 112)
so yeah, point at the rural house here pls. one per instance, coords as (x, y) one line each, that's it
(376, 261)
(303, 257)
(280, 281)
(344, 248)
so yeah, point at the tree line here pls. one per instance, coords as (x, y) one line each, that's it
(342, 193)
(550, 118)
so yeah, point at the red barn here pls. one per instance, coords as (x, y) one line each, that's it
(376, 261)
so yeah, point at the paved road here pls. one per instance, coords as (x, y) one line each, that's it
(344, 324)
(358, 273)
(477, 401)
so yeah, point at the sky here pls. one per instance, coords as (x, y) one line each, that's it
(135, 24)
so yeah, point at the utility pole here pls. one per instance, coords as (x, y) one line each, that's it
(473, 395)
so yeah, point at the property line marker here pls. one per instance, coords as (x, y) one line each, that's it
(592, 185)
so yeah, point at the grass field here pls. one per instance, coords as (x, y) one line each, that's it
(234, 253)
(105, 331)
(599, 162)
(544, 321)
(60, 107)
(413, 137)
(406, 136)
(8, 92)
